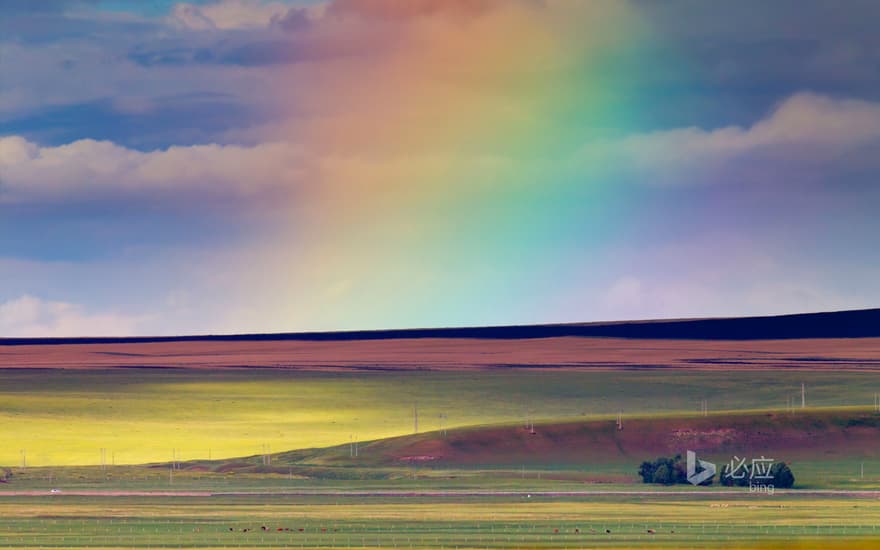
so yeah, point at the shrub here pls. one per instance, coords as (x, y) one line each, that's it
(780, 476)
(783, 478)
(665, 471)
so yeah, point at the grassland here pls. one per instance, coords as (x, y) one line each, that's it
(500, 522)
(578, 467)
(64, 417)
(827, 448)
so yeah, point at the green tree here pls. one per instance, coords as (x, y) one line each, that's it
(783, 478)
(664, 475)
(646, 471)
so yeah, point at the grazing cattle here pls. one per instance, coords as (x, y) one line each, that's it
(556, 530)
(232, 529)
(607, 530)
(264, 528)
(577, 530)
(301, 529)
(650, 531)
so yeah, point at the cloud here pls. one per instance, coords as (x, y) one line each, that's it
(404, 9)
(16, 150)
(28, 316)
(296, 19)
(805, 132)
(89, 166)
(232, 14)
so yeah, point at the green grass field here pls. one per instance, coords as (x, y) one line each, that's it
(62, 417)
(608, 522)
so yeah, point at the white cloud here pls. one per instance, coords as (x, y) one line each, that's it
(27, 316)
(84, 165)
(16, 150)
(227, 14)
(804, 130)
(806, 133)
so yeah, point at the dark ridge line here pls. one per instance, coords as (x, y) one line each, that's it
(864, 323)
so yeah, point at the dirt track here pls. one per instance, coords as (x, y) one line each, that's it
(442, 494)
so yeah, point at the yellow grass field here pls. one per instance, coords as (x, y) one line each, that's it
(60, 417)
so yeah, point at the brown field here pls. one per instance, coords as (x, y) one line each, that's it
(851, 354)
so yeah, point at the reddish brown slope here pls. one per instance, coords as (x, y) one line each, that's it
(809, 435)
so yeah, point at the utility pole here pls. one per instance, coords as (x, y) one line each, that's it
(24, 458)
(443, 424)
(803, 396)
(415, 418)
(620, 420)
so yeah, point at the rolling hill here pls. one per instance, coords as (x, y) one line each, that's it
(803, 435)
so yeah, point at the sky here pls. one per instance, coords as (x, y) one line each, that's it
(240, 166)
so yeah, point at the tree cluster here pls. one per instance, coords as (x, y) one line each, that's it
(673, 470)
(779, 476)
(666, 471)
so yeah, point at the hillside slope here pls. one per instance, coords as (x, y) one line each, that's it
(803, 435)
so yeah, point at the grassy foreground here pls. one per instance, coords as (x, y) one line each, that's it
(325, 522)
(58, 417)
